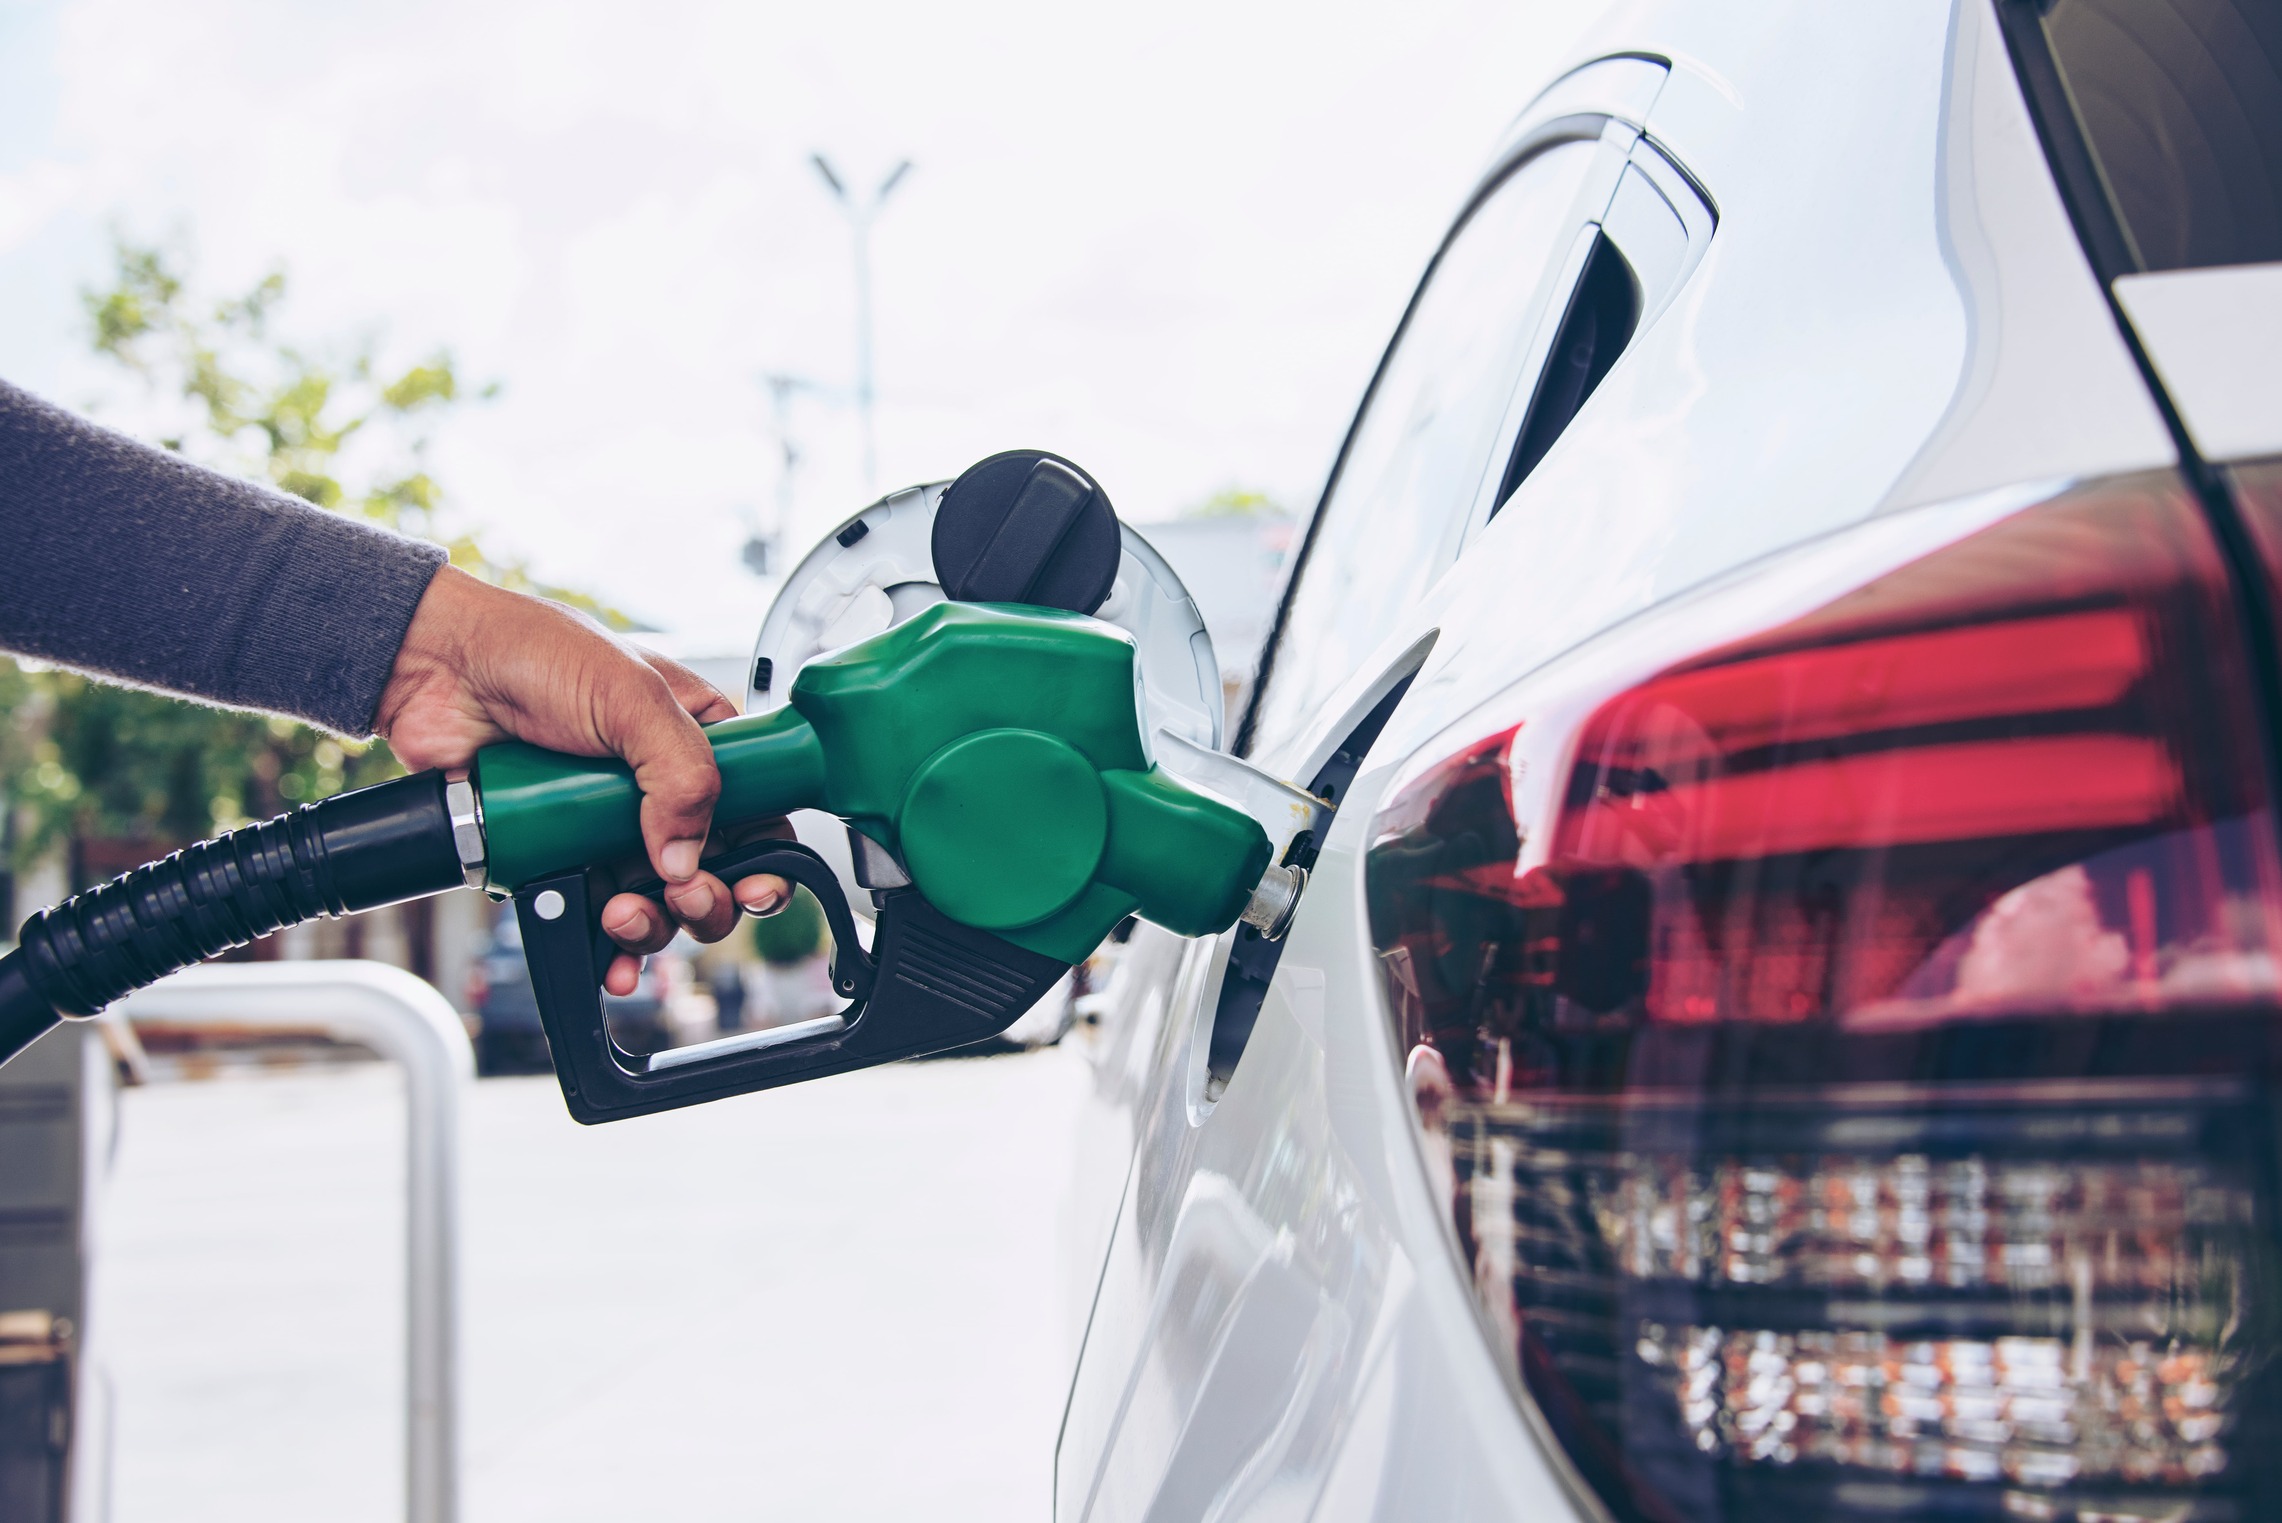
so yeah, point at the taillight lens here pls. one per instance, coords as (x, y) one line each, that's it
(1851, 1067)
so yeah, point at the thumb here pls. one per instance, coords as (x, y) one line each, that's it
(673, 766)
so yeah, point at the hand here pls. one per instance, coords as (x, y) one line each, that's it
(481, 664)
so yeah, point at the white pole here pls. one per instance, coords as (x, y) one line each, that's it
(860, 219)
(403, 1018)
(860, 225)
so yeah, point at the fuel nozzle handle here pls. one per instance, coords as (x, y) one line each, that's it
(994, 752)
(994, 749)
(543, 812)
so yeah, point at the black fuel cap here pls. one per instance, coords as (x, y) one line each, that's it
(1026, 527)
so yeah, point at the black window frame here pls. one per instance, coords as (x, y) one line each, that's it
(2083, 192)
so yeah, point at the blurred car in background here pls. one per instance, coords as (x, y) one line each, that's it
(508, 1036)
(665, 1010)
(1786, 1020)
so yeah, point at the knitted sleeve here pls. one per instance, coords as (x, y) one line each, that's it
(130, 563)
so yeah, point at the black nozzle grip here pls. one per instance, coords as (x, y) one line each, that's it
(930, 984)
(851, 969)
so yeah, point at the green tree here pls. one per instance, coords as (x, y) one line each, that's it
(1236, 502)
(84, 761)
(793, 934)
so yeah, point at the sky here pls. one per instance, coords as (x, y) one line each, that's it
(1168, 242)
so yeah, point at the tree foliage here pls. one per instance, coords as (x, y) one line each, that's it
(793, 934)
(84, 760)
(1236, 502)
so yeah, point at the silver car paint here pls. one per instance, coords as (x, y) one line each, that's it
(1892, 313)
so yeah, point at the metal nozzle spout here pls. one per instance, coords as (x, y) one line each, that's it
(1270, 912)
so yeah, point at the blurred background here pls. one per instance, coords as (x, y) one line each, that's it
(631, 305)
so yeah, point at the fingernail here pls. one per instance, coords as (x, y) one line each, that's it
(626, 923)
(760, 900)
(695, 904)
(679, 860)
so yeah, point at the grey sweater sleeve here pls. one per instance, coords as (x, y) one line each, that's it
(128, 562)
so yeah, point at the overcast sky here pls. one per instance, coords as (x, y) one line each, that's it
(1167, 241)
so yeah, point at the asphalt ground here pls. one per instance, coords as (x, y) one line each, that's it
(834, 1301)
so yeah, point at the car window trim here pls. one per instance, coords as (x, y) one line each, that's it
(1590, 128)
(1688, 199)
(1531, 380)
(1697, 216)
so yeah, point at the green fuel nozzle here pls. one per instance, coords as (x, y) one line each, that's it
(993, 754)
(995, 751)
(992, 750)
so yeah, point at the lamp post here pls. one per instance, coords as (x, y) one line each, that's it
(860, 217)
(761, 545)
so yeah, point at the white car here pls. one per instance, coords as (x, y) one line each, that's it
(1784, 1020)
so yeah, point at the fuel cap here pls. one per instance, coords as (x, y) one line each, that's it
(1026, 527)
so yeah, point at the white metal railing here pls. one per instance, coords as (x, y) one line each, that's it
(405, 1019)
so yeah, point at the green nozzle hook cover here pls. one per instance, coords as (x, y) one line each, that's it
(996, 748)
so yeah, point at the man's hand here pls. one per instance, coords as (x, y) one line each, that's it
(481, 664)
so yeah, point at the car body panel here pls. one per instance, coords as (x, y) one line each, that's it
(2037, 325)
(1858, 365)
(1306, 1176)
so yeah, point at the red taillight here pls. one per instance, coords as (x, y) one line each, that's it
(1852, 1073)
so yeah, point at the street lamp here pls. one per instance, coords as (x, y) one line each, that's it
(761, 544)
(860, 225)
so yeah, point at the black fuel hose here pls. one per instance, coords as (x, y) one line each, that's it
(354, 851)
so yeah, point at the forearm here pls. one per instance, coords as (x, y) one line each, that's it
(129, 562)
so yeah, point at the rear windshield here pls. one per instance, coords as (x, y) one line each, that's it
(2180, 102)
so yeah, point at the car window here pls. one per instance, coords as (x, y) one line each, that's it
(1419, 452)
(2180, 102)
